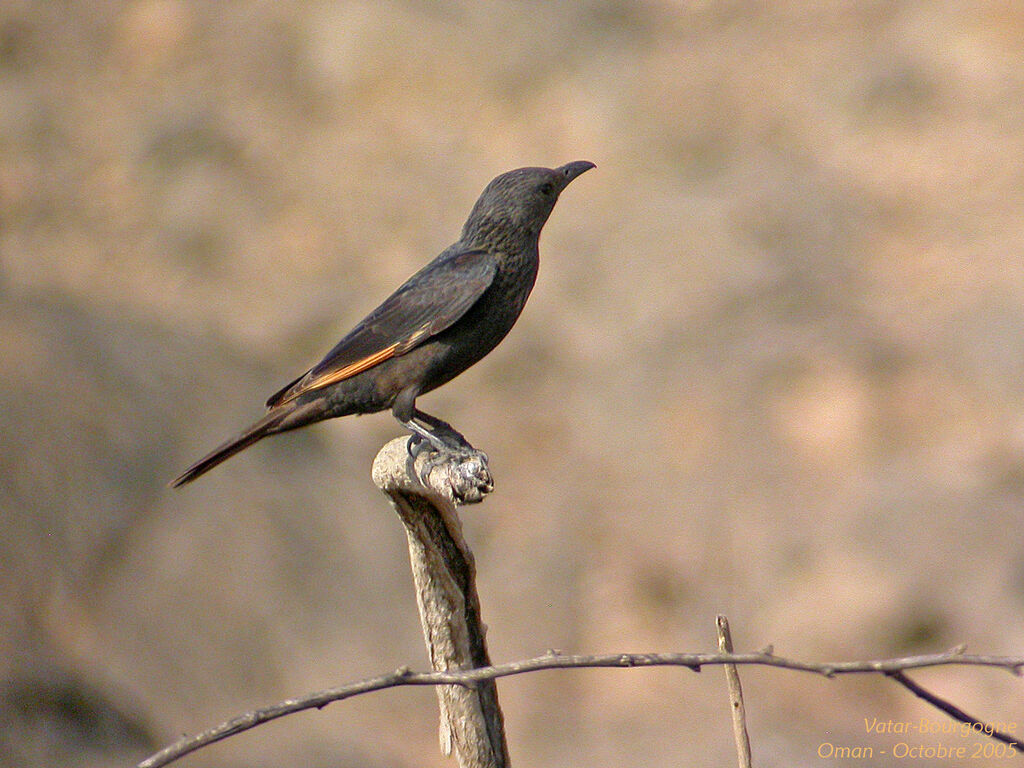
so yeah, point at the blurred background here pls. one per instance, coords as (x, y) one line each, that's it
(773, 366)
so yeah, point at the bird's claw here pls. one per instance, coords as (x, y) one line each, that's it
(417, 445)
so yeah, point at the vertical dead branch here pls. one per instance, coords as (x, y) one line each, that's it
(732, 678)
(444, 572)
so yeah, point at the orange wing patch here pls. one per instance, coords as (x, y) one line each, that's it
(332, 377)
(329, 377)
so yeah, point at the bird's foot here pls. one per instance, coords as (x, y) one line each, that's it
(444, 449)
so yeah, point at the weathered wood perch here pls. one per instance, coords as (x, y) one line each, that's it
(426, 500)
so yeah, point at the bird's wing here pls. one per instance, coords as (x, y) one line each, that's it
(427, 303)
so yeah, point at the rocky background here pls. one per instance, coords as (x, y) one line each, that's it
(773, 366)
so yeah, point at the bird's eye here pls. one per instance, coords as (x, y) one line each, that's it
(547, 188)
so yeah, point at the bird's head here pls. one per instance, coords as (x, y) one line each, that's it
(518, 203)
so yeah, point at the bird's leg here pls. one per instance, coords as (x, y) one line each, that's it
(442, 428)
(404, 410)
(440, 435)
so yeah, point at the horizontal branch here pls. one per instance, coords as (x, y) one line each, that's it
(555, 660)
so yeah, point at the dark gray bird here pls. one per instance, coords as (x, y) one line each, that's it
(438, 323)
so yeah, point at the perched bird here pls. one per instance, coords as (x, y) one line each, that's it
(436, 325)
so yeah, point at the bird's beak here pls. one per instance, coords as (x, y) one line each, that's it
(570, 171)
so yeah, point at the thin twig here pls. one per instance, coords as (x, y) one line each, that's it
(981, 727)
(694, 661)
(732, 679)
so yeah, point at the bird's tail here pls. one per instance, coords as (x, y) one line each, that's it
(275, 421)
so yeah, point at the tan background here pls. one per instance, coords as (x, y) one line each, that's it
(773, 366)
